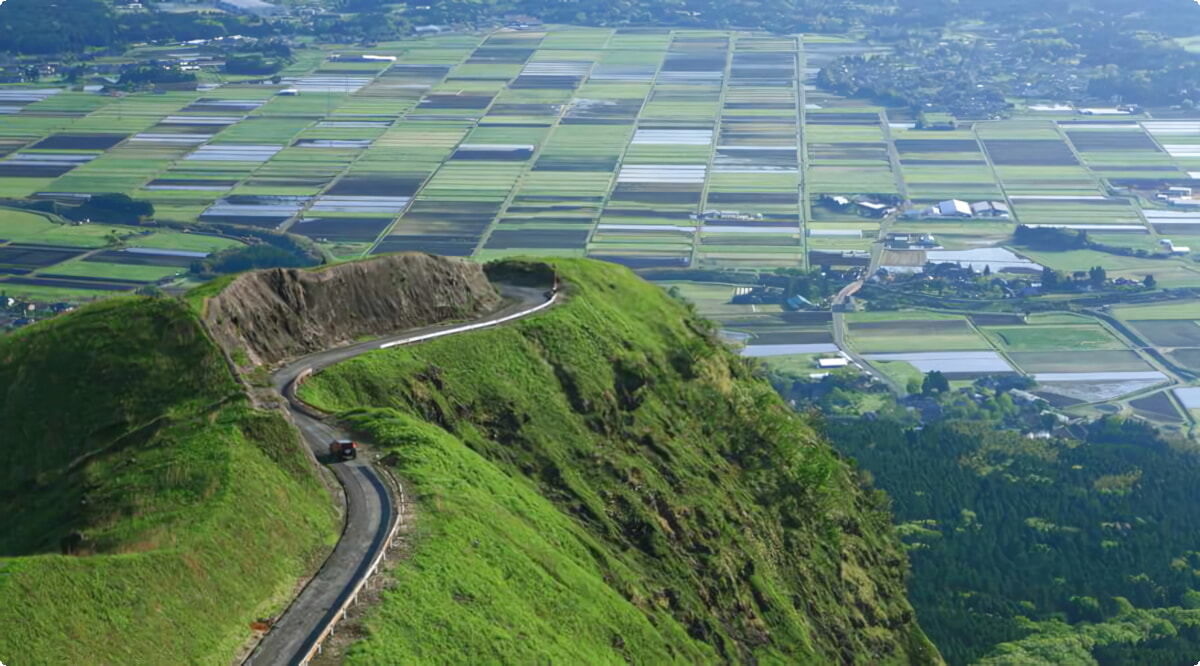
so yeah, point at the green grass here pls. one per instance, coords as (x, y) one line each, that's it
(1051, 338)
(1043, 318)
(20, 226)
(899, 371)
(931, 342)
(1188, 309)
(99, 269)
(713, 299)
(611, 484)
(198, 513)
(174, 240)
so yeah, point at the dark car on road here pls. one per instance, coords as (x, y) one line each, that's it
(343, 449)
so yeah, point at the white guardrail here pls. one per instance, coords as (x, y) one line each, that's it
(399, 519)
(472, 327)
(379, 558)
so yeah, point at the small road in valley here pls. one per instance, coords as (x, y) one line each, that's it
(371, 509)
(839, 336)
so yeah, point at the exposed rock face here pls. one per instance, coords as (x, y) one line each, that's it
(281, 313)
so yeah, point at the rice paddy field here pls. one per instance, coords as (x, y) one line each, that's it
(41, 258)
(1076, 359)
(916, 335)
(646, 147)
(569, 142)
(782, 334)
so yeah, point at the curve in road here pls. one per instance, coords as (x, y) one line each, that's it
(370, 514)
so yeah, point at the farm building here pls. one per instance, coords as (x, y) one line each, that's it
(903, 241)
(361, 58)
(729, 216)
(990, 209)
(1173, 248)
(1118, 111)
(826, 363)
(951, 208)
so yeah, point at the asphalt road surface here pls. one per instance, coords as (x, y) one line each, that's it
(839, 337)
(370, 509)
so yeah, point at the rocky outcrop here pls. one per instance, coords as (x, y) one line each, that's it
(276, 314)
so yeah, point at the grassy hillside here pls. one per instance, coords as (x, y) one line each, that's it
(606, 483)
(193, 514)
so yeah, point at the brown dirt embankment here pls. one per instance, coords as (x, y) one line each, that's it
(276, 314)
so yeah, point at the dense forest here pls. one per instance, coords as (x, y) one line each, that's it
(1043, 550)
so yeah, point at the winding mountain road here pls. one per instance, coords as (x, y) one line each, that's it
(371, 509)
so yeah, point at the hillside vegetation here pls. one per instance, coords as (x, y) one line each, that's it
(1044, 551)
(188, 514)
(606, 483)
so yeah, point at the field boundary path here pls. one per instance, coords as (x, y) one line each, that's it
(374, 509)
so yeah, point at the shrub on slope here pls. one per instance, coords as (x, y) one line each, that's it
(607, 482)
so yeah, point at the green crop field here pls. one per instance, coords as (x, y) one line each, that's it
(915, 335)
(23, 227)
(1048, 338)
(713, 299)
(1065, 361)
(1177, 310)
(54, 260)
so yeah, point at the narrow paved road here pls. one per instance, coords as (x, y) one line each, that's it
(370, 506)
(839, 336)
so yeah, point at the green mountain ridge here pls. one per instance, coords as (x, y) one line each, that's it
(605, 483)
(195, 513)
(601, 483)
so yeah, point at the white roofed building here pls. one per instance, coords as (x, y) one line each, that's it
(953, 208)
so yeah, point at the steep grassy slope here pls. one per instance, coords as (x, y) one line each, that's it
(189, 514)
(605, 482)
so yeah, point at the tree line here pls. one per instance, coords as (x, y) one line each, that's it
(1033, 544)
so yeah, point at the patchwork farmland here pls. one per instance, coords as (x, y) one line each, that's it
(647, 147)
(1082, 364)
(643, 147)
(652, 148)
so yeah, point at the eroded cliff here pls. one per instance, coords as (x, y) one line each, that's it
(279, 313)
